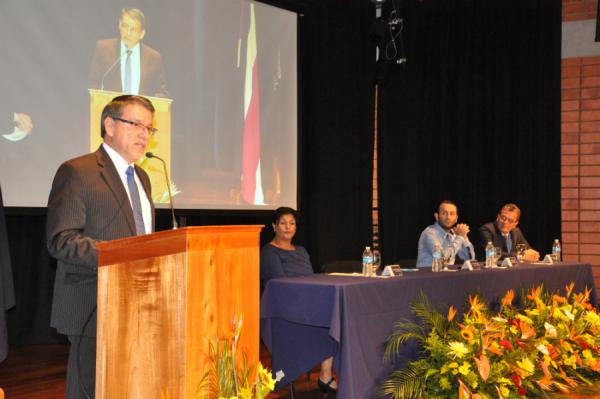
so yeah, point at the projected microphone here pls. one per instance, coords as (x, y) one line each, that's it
(151, 155)
(110, 69)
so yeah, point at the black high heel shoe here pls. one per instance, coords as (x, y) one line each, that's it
(326, 388)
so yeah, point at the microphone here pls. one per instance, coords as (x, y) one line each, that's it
(151, 155)
(110, 69)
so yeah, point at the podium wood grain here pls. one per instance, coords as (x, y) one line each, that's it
(163, 297)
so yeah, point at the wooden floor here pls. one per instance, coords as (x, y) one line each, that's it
(38, 372)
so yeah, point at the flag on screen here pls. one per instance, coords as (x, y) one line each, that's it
(251, 192)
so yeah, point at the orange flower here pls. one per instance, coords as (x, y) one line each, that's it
(569, 288)
(451, 313)
(535, 292)
(526, 331)
(463, 391)
(483, 366)
(558, 299)
(508, 298)
(476, 306)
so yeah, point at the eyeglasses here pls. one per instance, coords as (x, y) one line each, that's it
(130, 29)
(506, 219)
(139, 126)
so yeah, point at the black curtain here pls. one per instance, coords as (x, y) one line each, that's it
(337, 66)
(474, 116)
(335, 164)
(7, 294)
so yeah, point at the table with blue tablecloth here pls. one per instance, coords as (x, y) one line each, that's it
(306, 319)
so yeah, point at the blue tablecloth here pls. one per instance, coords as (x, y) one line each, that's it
(304, 320)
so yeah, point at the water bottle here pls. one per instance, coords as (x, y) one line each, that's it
(490, 255)
(556, 251)
(367, 258)
(438, 262)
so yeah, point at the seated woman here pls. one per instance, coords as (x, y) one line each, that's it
(281, 258)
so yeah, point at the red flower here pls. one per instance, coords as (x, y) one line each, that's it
(521, 344)
(516, 380)
(582, 344)
(505, 343)
(522, 392)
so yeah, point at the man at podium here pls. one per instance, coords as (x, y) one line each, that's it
(127, 65)
(96, 197)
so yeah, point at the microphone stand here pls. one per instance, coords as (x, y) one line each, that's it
(151, 155)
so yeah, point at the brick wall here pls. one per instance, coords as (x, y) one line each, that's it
(576, 10)
(580, 161)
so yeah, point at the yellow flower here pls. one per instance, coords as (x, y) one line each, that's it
(465, 368)
(458, 349)
(569, 315)
(453, 365)
(474, 385)
(504, 391)
(525, 319)
(588, 339)
(592, 318)
(587, 354)
(265, 377)
(467, 333)
(514, 329)
(570, 361)
(526, 365)
(557, 314)
(246, 393)
(444, 383)
(567, 346)
(548, 360)
(533, 312)
(550, 330)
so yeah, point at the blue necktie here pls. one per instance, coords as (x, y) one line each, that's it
(508, 242)
(128, 87)
(135, 202)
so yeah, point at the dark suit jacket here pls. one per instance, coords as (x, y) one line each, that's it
(87, 204)
(152, 76)
(490, 232)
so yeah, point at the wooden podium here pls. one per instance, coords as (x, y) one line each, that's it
(163, 297)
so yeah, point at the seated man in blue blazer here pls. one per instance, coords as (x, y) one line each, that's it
(505, 234)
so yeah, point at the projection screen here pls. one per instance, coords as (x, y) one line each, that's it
(221, 73)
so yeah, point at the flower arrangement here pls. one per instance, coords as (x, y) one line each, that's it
(229, 378)
(552, 344)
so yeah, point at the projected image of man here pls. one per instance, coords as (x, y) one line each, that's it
(127, 65)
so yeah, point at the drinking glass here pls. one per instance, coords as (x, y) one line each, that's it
(376, 262)
(521, 248)
(447, 256)
(498, 254)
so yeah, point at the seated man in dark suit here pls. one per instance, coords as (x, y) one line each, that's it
(505, 234)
